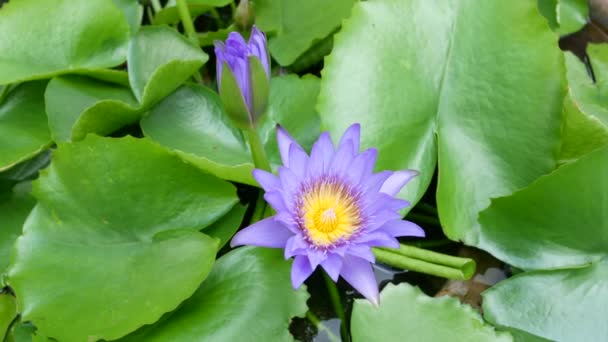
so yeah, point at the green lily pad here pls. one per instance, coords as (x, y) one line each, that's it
(78, 105)
(298, 25)
(586, 106)
(557, 305)
(133, 12)
(124, 215)
(405, 312)
(159, 60)
(170, 15)
(192, 122)
(224, 228)
(44, 38)
(560, 220)
(24, 130)
(247, 297)
(14, 209)
(559, 227)
(434, 85)
(8, 312)
(572, 15)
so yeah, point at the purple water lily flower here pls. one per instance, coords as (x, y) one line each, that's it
(235, 54)
(331, 209)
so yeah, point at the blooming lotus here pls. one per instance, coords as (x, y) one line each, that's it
(331, 209)
(243, 74)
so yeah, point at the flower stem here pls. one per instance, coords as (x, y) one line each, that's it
(257, 150)
(334, 295)
(321, 327)
(425, 261)
(156, 5)
(186, 18)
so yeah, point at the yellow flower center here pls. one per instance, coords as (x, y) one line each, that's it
(329, 213)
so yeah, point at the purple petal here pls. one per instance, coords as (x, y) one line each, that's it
(359, 273)
(267, 180)
(363, 165)
(265, 233)
(374, 182)
(258, 48)
(315, 257)
(363, 252)
(353, 134)
(284, 140)
(298, 160)
(285, 218)
(343, 158)
(402, 228)
(276, 201)
(332, 265)
(321, 155)
(397, 181)
(300, 270)
(378, 238)
(290, 184)
(295, 246)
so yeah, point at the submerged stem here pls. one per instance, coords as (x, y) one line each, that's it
(334, 295)
(425, 261)
(321, 327)
(260, 208)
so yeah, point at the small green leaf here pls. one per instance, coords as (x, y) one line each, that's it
(133, 12)
(78, 105)
(560, 220)
(15, 206)
(247, 297)
(572, 15)
(124, 216)
(225, 227)
(192, 122)
(160, 59)
(298, 24)
(170, 15)
(24, 130)
(557, 305)
(8, 312)
(44, 38)
(407, 313)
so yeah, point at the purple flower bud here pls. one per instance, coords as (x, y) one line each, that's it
(235, 54)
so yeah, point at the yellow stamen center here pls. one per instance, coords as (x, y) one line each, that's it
(329, 213)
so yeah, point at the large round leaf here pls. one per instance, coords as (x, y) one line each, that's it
(192, 122)
(407, 313)
(114, 241)
(43, 38)
(247, 297)
(558, 305)
(476, 85)
(24, 130)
